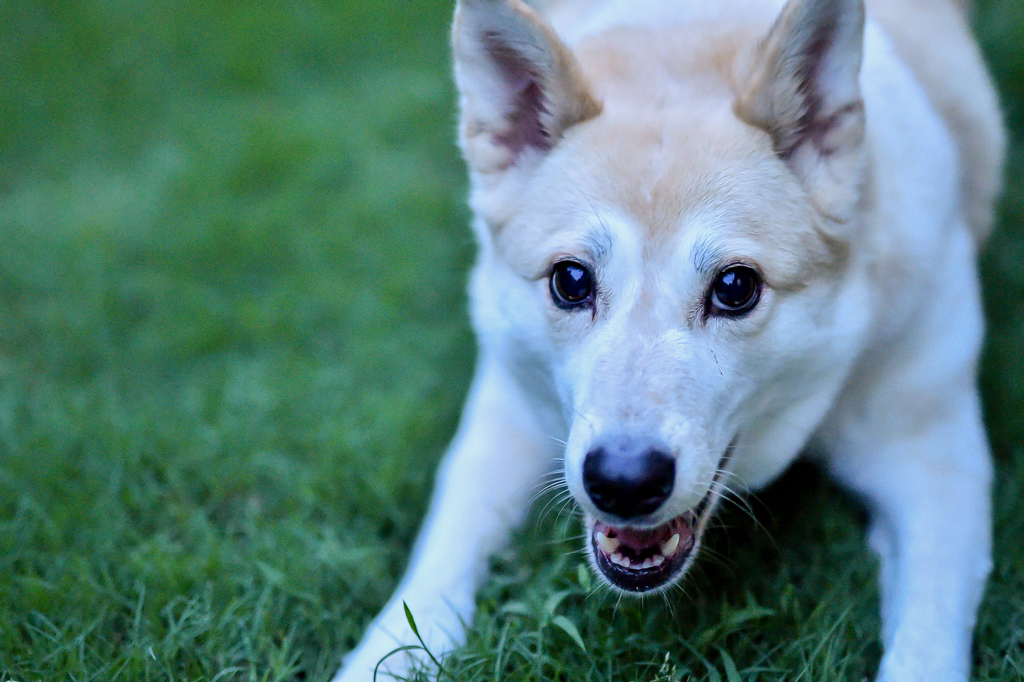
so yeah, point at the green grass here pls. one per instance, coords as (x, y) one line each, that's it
(233, 346)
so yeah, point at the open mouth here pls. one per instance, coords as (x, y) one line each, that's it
(643, 560)
(638, 560)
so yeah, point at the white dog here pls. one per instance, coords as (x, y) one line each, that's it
(715, 234)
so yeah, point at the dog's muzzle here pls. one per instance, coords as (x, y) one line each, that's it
(643, 560)
(638, 559)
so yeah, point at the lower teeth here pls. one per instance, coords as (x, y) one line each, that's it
(651, 562)
(610, 546)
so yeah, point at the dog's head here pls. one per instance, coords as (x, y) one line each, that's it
(665, 217)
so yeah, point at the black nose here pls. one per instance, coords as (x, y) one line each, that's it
(628, 479)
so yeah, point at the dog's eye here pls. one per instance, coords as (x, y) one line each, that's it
(571, 284)
(735, 291)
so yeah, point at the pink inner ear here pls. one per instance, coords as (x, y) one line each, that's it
(814, 123)
(525, 98)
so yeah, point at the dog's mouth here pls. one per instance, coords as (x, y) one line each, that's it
(644, 560)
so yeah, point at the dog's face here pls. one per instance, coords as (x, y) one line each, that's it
(664, 236)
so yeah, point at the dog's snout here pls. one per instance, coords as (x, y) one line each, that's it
(628, 479)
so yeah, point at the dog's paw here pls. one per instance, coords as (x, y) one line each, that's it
(372, 657)
(437, 631)
(924, 668)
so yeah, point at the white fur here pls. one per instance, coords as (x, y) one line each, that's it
(651, 160)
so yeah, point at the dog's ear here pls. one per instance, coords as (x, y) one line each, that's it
(520, 86)
(801, 84)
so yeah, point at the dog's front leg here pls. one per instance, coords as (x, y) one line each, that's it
(483, 488)
(929, 496)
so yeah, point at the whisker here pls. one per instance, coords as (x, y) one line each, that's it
(742, 501)
(670, 605)
(569, 500)
(548, 485)
(582, 551)
(615, 610)
(553, 500)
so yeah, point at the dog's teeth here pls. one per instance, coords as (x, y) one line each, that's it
(658, 560)
(619, 560)
(669, 547)
(647, 564)
(608, 545)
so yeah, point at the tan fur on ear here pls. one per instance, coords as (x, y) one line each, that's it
(521, 88)
(801, 85)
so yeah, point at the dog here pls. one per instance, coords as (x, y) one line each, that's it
(714, 236)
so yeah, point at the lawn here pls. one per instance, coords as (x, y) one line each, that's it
(233, 345)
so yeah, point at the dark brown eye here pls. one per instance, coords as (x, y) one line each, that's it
(571, 285)
(735, 291)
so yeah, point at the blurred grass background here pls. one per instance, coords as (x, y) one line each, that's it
(233, 346)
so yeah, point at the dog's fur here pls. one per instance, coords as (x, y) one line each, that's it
(850, 161)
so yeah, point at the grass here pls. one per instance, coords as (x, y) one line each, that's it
(233, 346)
